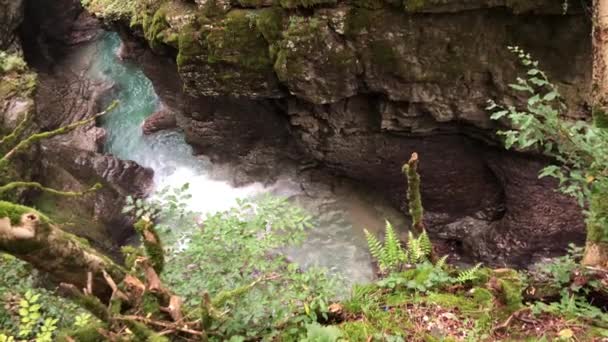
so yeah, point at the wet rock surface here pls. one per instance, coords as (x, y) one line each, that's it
(356, 87)
(160, 120)
(57, 34)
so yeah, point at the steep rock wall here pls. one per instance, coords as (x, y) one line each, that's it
(54, 92)
(359, 85)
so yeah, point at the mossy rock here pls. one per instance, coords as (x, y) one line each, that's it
(237, 41)
(90, 333)
(14, 212)
(305, 3)
(600, 118)
(189, 45)
(508, 286)
(597, 223)
(315, 64)
(113, 10)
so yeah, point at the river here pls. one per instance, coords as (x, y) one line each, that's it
(340, 212)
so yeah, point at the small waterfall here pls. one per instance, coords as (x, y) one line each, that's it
(336, 242)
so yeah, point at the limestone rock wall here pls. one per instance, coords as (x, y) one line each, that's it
(356, 86)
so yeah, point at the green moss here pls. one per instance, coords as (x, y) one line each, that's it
(154, 28)
(131, 254)
(154, 249)
(511, 287)
(113, 10)
(305, 3)
(252, 3)
(597, 221)
(270, 23)
(94, 306)
(14, 211)
(150, 305)
(600, 118)
(115, 307)
(239, 42)
(89, 333)
(358, 20)
(413, 5)
(189, 45)
(143, 333)
(357, 331)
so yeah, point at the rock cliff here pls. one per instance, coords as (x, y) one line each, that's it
(53, 91)
(358, 85)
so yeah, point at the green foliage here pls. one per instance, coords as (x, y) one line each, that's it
(424, 277)
(318, 333)
(558, 271)
(469, 274)
(391, 256)
(29, 314)
(235, 257)
(573, 306)
(10, 63)
(577, 146)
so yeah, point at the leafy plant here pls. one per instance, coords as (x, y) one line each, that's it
(391, 256)
(82, 320)
(318, 333)
(575, 144)
(232, 249)
(468, 274)
(424, 277)
(29, 313)
(47, 330)
(572, 306)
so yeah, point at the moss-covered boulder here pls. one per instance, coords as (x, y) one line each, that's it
(227, 56)
(315, 63)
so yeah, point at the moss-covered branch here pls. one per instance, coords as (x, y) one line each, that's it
(152, 243)
(410, 170)
(34, 138)
(17, 185)
(32, 237)
(10, 139)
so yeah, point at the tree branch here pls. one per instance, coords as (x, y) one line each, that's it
(25, 144)
(15, 185)
(10, 138)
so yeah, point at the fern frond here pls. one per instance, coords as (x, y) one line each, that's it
(392, 246)
(468, 275)
(425, 244)
(441, 263)
(375, 249)
(413, 249)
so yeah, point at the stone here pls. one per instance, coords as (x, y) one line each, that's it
(160, 120)
(356, 87)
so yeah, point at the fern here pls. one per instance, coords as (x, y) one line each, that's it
(392, 247)
(425, 243)
(441, 263)
(375, 249)
(468, 275)
(391, 255)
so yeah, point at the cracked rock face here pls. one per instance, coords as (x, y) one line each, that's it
(358, 86)
(11, 17)
(58, 93)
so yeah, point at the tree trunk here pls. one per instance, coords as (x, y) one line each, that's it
(596, 250)
(30, 236)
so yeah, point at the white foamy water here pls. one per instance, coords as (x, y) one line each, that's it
(336, 242)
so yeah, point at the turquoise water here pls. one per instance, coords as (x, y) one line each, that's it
(337, 242)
